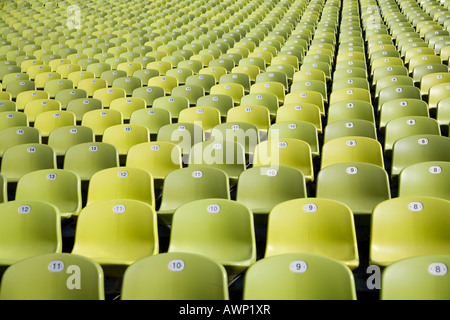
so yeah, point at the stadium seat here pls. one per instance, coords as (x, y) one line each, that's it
(428, 178)
(418, 148)
(149, 94)
(221, 102)
(233, 244)
(261, 188)
(60, 187)
(359, 185)
(405, 227)
(173, 104)
(188, 184)
(47, 121)
(255, 114)
(225, 155)
(302, 111)
(294, 276)
(18, 135)
(121, 183)
(313, 225)
(29, 228)
(116, 233)
(350, 127)
(352, 149)
(72, 277)
(416, 278)
(3, 189)
(107, 95)
(24, 158)
(287, 152)
(399, 108)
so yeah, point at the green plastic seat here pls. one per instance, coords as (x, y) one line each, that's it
(225, 155)
(350, 127)
(359, 185)
(124, 136)
(173, 104)
(408, 126)
(296, 129)
(299, 276)
(24, 158)
(350, 109)
(121, 183)
(18, 135)
(3, 189)
(418, 148)
(28, 228)
(261, 188)
(398, 108)
(417, 278)
(55, 276)
(197, 278)
(188, 184)
(302, 111)
(352, 149)
(116, 233)
(313, 225)
(286, 152)
(60, 187)
(232, 243)
(89, 157)
(410, 226)
(428, 178)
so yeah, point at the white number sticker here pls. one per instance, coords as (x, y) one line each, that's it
(415, 206)
(352, 170)
(438, 269)
(51, 176)
(271, 173)
(155, 147)
(292, 126)
(93, 148)
(31, 150)
(213, 208)
(176, 265)
(298, 266)
(349, 125)
(123, 174)
(235, 127)
(56, 266)
(282, 144)
(24, 209)
(310, 207)
(411, 122)
(119, 208)
(181, 128)
(127, 129)
(197, 174)
(217, 146)
(351, 143)
(423, 141)
(20, 131)
(435, 169)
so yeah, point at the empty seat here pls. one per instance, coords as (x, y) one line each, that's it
(124, 136)
(121, 183)
(126, 106)
(417, 278)
(18, 135)
(287, 152)
(359, 185)
(418, 148)
(188, 184)
(428, 178)
(352, 149)
(299, 276)
(232, 244)
(29, 228)
(71, 277)
(198, 278)
(24, 158)
(60, 187)
(313, 225)
(350, 127)
(411, 226)
(173, 104)
(261, 188)
(101, 119)
(47, 121)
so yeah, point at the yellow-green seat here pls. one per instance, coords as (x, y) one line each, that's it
(89, 157)
(197, 277)
(263, 187)
(232, 243)
(299, 276)
(121, 183)
(159, 158)
(359, 185)
(313, 225)
(55, 276)
(124, 136)
(116, 233)
(408, 226)
(28, 228)
(59, 187)
(352, 149)
(225, 155)
(18, 135)
(24, 158)
(349, 127)
(423, 277)
(418, 148)
(188, 184)
(287, 152)
(47, 121)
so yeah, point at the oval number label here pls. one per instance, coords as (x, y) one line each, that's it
(176, 265)
(298, 266)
